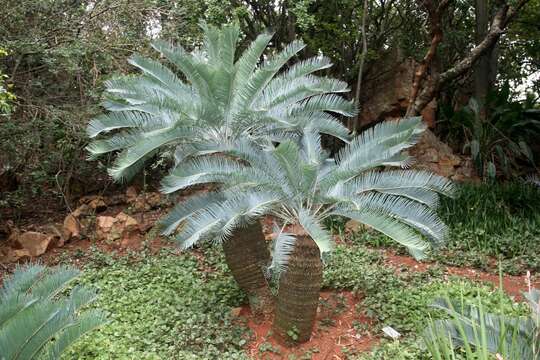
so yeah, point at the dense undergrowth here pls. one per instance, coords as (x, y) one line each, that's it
(163, 306)
(488, 223)
(178, 305)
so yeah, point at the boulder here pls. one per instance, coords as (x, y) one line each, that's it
(82, 210)
(71, 227)
(121, 229)
(34, 242)
(10, 255)
(127, 221)
(433, 155)
(104, 226)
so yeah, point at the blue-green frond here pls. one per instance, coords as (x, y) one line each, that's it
(388, 226)
(312, 225)
(200, 171)
(282, 248)
(183, 210)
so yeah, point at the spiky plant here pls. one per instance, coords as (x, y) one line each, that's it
(210, 100)
(37, 319)
(482, 335)
(300, 185)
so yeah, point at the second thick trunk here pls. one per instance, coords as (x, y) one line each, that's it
(299, 288)
(246, 254)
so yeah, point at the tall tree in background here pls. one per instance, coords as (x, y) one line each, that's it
(485, 70)
(504, 14)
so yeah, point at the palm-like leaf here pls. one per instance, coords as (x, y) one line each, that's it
(306, 186)
(482, 334)
(35, 320)
(220, 100)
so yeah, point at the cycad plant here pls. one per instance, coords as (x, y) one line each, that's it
(298, 184)
(38, 320)
(210, 100)
(480, 335)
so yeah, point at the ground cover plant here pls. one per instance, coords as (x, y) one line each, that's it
(162, 305)
(488, 223)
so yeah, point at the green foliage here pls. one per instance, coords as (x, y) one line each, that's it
(6, 96)
(493, 221)
(163, 306)
(478, 334)
(499, 140)
(57, 67)
(38, 320)
(487, 223)
(401, 299)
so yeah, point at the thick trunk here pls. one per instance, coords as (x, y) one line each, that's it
(298, 297)
(246, 254)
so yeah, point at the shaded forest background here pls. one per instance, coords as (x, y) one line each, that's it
(471, 68)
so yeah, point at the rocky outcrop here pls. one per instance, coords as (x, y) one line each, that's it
(433, 155)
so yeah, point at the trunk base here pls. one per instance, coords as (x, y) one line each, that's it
(246, 254)
(299, 289)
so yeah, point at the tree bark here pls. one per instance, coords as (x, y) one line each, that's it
(298, 296)
(363, 55)
(500, 21)
(435, 20)
(246, 254)
(482, 67)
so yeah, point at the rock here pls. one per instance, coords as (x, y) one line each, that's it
(98, 205)
(433, 155)
(82, 210)
(429, 114)
(9, 255)
(153, 199)
(71, 227)
(388, 97)
(430, 155)
(88, 198)
(147, 201)
(131, 193)
(128, 222)
(104, 225)
(122, 229)
(34, 242)
(235, 312)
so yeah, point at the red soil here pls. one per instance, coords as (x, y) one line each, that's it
(333, 335)
(512, 285)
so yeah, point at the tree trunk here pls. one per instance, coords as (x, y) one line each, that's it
(363, 55)
(504, 15)
(298, 296)
(482, 67)
(246, 254)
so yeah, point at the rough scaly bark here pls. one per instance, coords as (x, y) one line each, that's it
(246, 254)
(298, 296)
